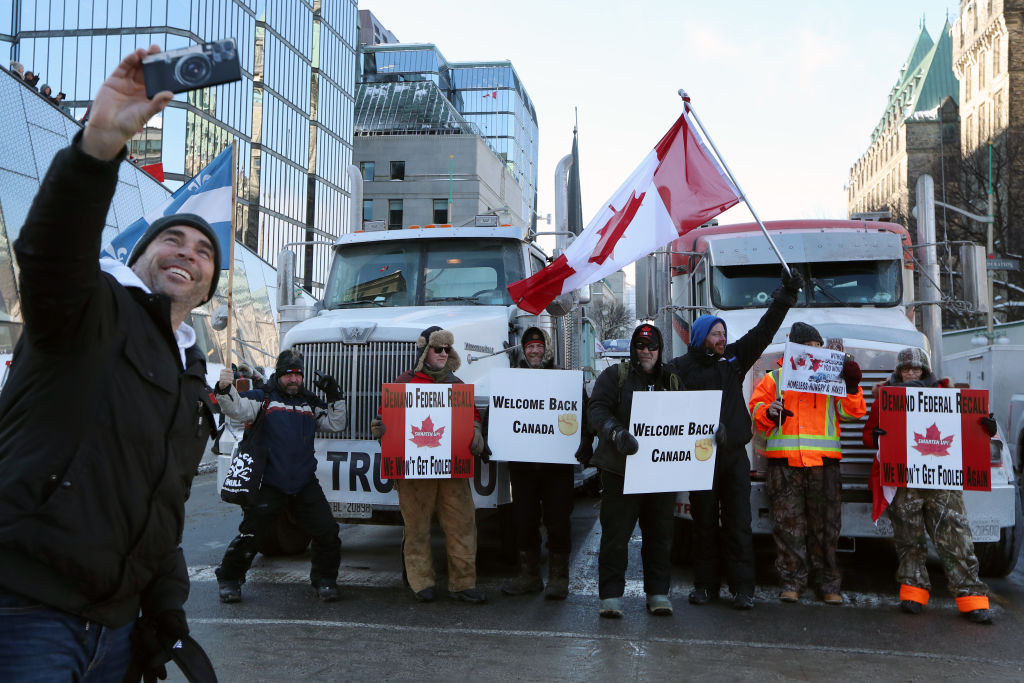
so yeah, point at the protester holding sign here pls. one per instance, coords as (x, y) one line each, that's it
(804, 487)
(451, 498)
(541, 490)
(609, 411)
(940, 512)
(712, 363)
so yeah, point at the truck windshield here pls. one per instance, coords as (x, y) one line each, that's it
(828, 283)
(424, 272)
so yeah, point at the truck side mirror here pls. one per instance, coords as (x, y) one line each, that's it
(562, 304)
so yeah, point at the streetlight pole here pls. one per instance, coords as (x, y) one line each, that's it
(451, 200)
(989, 317)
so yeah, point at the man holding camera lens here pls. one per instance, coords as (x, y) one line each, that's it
(92, 491)
(292, 415)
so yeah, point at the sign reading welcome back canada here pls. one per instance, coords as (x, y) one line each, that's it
(428, 429)
(934, 439)
(535, 415)
(676, 433)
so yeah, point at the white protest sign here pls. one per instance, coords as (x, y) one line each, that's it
(813, 370)
(535, 415)
(676, 433)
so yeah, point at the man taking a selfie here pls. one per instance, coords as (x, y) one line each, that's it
(92, 491)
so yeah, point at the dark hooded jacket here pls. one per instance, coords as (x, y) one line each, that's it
(699, 369)
(610, 404)
(101, 427)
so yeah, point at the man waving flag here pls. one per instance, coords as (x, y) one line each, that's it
(678, 187)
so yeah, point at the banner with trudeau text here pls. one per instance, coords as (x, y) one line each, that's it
(428, 431)
(934, 438)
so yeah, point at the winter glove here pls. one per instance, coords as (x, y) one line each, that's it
(377, 428)
(875, 433)
(586, 451)
(478, 445)
(793, 281)
(852, 374)
(721, 437)
(151, 642)
(989, 424)
(778, 413)
(329, 386)
(625, 442)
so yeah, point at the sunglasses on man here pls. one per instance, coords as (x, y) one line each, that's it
(644, 344)
(441, 349)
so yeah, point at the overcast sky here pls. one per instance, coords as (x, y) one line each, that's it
(788, 90)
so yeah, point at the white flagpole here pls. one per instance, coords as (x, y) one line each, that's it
(231, 251)
(688, 106)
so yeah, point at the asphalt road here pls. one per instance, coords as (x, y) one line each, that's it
(280, 632)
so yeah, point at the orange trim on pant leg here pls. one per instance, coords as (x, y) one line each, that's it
(969, 603)
(914, 594)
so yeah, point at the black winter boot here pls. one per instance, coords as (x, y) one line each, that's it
(529, 580)
(558, 577)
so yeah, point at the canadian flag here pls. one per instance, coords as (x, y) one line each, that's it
(676, 188)
(493, 93)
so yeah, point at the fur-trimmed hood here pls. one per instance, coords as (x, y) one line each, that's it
(435, 336)
(537, 334)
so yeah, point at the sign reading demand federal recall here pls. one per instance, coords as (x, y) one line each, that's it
(535, 415)
(934, 438)
(676, 433)
(428, 431)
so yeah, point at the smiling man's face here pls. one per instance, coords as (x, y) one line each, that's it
(178, 263)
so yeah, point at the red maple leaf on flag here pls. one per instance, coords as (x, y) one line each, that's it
(615, 227)
(425, 436)
(932, 442)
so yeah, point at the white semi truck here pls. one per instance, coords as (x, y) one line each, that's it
(384, 288)
(859, 294)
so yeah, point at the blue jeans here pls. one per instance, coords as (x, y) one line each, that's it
(39, 643)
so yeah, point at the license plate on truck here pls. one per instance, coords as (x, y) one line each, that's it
(352, 510)
(985, 530)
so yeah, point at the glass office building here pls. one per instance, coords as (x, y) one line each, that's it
(34, 130)
(291, 112)
(488, 95)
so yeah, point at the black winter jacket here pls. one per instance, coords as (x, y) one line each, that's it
(698, 370)
(101, 430)
(610, 402)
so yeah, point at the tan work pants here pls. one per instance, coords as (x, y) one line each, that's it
(452, 499)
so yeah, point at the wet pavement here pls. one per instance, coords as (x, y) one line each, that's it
(280, 632)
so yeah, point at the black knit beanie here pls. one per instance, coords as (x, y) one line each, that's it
(192, 221)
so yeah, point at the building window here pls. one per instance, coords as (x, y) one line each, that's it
(366, 168)
(996, 55)
(441, 211)
(981, 70)
(398, 170)
(367, 209)
(394, 214)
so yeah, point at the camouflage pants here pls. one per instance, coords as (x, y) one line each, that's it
(942, 514)
(806, 518)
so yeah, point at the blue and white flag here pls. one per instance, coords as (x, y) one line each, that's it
(208, 194)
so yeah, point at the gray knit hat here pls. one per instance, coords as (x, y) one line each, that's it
(913, 358)
(801, 333)
(188, 219)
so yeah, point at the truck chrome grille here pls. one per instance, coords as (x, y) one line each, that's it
(360, 369)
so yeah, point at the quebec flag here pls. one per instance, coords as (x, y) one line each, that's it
(208, 194)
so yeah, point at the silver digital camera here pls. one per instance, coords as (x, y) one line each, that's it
(190, 68)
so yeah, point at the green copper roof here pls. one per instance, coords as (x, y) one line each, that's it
(925, 81)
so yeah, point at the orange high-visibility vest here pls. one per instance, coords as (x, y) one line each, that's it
(812, 433)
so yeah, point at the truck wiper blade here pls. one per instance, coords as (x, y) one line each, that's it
(358, 302)
(827, 293)
(452, 298)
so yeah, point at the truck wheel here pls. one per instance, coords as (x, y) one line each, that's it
(998, 558)
(286, 538)
(682, 541)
